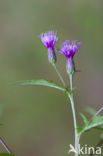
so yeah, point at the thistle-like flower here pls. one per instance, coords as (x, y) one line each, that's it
(49, 39)
(69, 49)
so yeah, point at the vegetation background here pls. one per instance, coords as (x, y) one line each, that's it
(38, 120)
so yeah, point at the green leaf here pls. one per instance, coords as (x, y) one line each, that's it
(96, 121)
(41, 82)
(84, 119)
(6, 154)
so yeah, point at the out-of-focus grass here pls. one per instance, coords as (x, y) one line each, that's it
(38, 120)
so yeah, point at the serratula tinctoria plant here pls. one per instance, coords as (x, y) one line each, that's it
(67, 48)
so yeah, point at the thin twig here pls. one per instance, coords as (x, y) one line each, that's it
(99, 111)
(58, 73)
(5, 146)
(98, 145)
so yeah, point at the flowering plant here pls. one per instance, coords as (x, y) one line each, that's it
(67, 48)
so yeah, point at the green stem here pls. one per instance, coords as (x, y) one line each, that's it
(73, 108)
(57, 71)
(74, 116)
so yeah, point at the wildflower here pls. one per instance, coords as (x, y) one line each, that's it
(49, 39)
(69, 50)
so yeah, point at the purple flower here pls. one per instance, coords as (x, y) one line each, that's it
(69, 49)
(49, 39)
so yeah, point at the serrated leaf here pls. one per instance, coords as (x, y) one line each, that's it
(84, 119)
(6, 154)
(95, 122)
(41, 82)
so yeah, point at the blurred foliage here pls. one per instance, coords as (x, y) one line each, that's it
(38, 120)
(6, 154)
(95, 122)
(90, 110)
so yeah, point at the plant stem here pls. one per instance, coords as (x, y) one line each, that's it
(99, 111)
(57, 71)
(5, 146)
(74, 116)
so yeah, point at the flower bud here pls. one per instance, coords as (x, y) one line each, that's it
(69, 49)
(49, 39)
(70, 66)
(51, 55)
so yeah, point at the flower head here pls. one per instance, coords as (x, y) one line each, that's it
(69, 49)
(49, 38)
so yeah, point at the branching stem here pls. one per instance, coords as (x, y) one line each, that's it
(72, 105)
(74, 116)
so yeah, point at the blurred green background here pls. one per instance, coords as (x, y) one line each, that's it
(38, 120)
